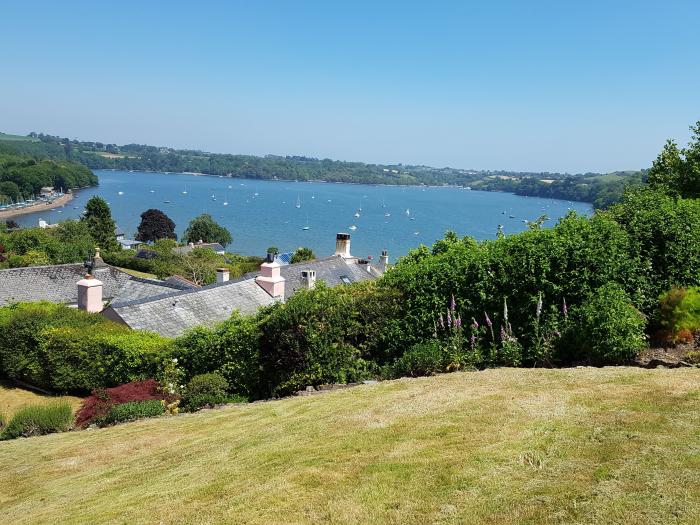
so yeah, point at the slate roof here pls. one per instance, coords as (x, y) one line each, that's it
(171, 314)
(137, 288)
(333, 270)
(55, 283)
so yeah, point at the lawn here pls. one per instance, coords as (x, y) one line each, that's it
(610, 445)
(136, 273)
(13, 397)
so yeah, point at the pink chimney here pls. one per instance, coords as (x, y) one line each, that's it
(270, 279)
(90, 294)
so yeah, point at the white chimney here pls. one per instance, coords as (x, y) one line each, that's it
(308, 279)
(90, 294)
(342, 245)
(384, 260)
(222, 275)
(270, 278)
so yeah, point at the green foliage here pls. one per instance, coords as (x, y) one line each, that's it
(100, 225)
(423, 359)
(677, 171)
(205, 228)
(155, 225)
(679, 311)
(37, 420)
(302, 254)
(22, 177)
(605, 329)
(131, 411)
(664, 234)
(205, 390)
(308, 341)
(68, 350)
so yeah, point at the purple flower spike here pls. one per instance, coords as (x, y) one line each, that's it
(442, 322)
(475, 324)
(473, 341)
(565, 309)
(453, 305)
(458, 322)
(503, 334)
(488, 320)
(449, 319)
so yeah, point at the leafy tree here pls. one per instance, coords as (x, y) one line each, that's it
(155, 225)
(11, 224)
(272, 249)
(677, 171)
(98, 219)
(206, 229)
(302, 254)
(200, 265)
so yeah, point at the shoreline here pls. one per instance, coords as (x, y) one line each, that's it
(61, 201)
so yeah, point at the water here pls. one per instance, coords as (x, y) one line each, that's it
(264, 213)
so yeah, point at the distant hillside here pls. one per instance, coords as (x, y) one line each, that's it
(602, 190)
(506, 446)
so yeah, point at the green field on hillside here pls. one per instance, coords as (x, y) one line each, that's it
(610, 445)
(16, 138)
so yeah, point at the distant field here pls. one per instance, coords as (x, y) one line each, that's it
(136, 273)
(585, 446)
(13, 397)
(16, 138)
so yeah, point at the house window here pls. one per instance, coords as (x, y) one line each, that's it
(345, 279)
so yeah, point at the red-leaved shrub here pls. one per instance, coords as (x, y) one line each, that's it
(102, 399)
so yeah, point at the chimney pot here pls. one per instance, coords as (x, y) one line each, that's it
(270, 279)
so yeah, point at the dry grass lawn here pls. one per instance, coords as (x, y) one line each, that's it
(13, 397)
(611, 445)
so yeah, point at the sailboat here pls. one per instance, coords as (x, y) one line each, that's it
(353, 227)
(298, 204)
(184, 192)
(226, 201)
(307, 227)
(408, 212)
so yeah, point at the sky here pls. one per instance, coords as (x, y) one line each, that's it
(524, 86)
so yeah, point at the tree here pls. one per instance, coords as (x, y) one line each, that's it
(677, 171)
(205, 228)
(11, 224)
(302, 254)
(155, 225)
(200, 265)
(98, 219)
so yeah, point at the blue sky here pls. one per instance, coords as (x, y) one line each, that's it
(549, 86)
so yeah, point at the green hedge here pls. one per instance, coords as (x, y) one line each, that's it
(67, 350)
(131, 411)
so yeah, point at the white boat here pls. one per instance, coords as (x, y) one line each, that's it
(408, 212)
(298, 204)
(153, 191)
(120, 193)
(353, 227)
(387, 215)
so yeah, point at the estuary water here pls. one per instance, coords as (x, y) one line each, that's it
(263, 213)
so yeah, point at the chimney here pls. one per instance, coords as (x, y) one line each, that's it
(270, 279)
(90, 294)
(97, 261)
(222, 275)
(384, 260)
(342, 245)
(308, 279)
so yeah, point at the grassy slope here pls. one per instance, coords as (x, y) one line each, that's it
(613, 445)
(12, 398)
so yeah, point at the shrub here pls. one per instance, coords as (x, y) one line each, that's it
(37, 420)
(679, 313)
(205, 390)
(422, 359)
(99, 403)
(306, 341)
(605, 329)
(131, 411)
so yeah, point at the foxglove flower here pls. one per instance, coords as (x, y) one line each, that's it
(503, 334)
(505, 310)
(539, 306)
(488, 320)
(449, 319)
(453, 305)
(565, 309)
(442, 322)
(475, 324)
